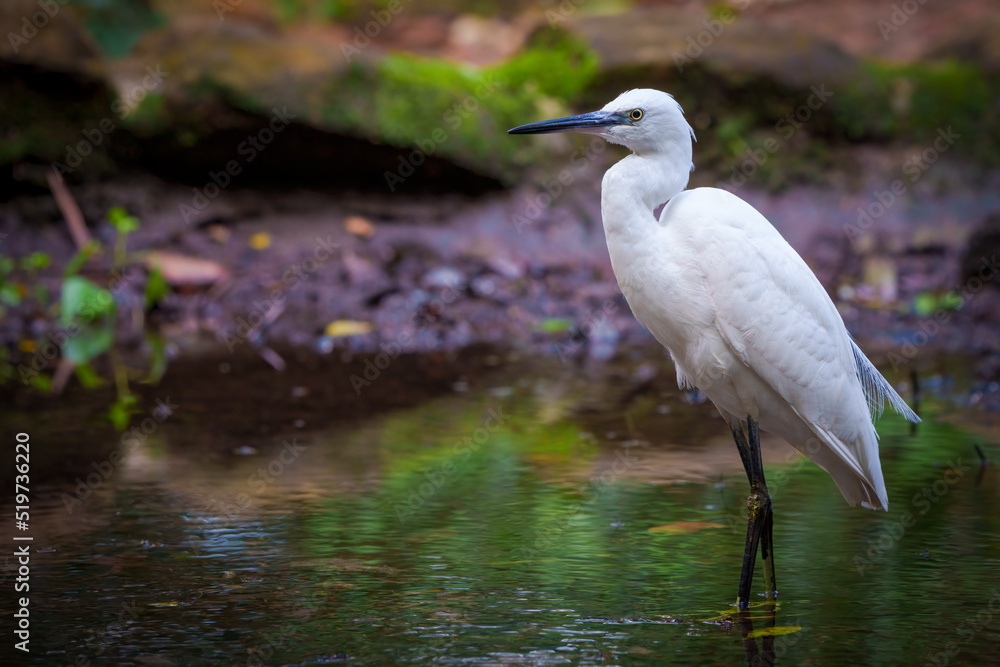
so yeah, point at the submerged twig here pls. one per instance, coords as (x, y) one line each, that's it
(64, 369)
(69, 209)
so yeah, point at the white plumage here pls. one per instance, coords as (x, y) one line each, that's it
(744, 318)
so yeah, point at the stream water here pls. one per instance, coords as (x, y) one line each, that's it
(536, 515)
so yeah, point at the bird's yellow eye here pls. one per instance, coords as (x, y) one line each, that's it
(635, 114)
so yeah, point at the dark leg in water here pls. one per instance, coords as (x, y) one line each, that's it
(760, 518)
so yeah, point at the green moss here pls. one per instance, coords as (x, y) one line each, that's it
(912, 102)
(458, 111)
(116, 25)
(149, 116)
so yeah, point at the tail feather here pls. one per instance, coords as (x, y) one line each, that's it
(858, 476)
(878, 390)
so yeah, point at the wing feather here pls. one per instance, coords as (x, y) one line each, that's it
(779, 321)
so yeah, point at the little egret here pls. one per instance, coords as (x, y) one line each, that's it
(745, 320)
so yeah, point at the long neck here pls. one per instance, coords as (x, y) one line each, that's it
(633, 188)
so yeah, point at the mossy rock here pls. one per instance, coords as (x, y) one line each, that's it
(914, 102)
(454, 111)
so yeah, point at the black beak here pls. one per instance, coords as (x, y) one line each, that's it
(591, 122)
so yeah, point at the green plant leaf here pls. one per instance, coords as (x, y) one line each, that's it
(157, 358)
(83, 301)
(156, 288)
(87, 376)
(555, 325)
(9, 294)
(122, 221)
(80, 258)
(36, 261)
(121, 411)
(88, 313)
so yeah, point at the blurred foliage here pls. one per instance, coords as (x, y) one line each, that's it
(88, 314)
(85, 320)
(12, 291)
(928, 303)
(916, 100)
(117, 25)
(323, 10)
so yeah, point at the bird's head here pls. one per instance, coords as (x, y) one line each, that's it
(645, 120)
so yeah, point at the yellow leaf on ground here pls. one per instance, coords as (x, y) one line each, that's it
(260, 240)
(682, 527)
(359, 226)
(340, 328)
(775, 631)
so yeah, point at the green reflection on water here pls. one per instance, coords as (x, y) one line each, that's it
(454, 533)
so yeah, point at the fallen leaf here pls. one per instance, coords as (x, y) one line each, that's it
(260, 241)
(682, 527)
(359, 226)
(555, 325)
(183, 269)
(340, 328)
(774, 632)
(218, 233)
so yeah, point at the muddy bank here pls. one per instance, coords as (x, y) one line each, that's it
(519, 269)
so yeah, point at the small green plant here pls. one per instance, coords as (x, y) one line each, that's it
(12, 291)
(87, 316)
(124, 225)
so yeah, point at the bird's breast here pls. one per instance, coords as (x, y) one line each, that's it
(665, 295)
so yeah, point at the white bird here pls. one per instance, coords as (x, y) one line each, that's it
(745, 320)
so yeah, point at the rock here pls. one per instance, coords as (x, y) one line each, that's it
(980, 259)
(444, 277)
(978, 42)
(58, 43)
(665, 44)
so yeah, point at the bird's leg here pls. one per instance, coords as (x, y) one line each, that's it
(767, 537)
(759, 515)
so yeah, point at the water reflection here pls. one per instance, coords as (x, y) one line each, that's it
(515, 523)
